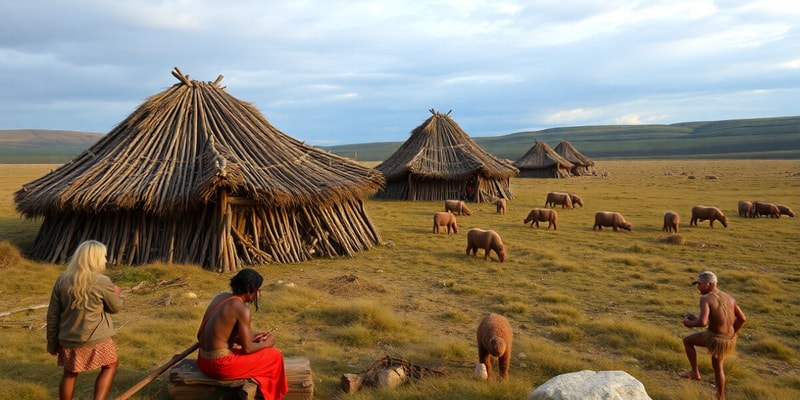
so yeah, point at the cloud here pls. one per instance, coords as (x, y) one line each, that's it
(350, 71)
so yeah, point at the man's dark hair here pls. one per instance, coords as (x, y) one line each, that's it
(247, 281)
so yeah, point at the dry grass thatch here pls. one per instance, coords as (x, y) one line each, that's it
(542, 162)
(582, 164)
(195, 175)
(438, 160)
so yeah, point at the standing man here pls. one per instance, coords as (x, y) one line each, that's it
(228, 349)
(723, 319)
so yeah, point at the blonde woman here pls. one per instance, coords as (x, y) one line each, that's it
(79, 329)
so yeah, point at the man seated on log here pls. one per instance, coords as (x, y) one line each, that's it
(227, 347)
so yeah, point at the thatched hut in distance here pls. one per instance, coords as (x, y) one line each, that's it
(439, 162)
(197, 176)
(542, 162)
(582, 164)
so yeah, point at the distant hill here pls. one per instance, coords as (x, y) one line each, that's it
(35, 146)
(756, 138)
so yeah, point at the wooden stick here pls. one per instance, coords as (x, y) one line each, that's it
(29, 308)
(160, 370)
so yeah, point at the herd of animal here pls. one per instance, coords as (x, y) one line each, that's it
(489, 240)
(494, 334)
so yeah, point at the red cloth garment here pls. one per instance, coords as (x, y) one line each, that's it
(264, 366)
(87, 358)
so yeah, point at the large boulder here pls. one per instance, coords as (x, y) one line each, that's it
(591, 385)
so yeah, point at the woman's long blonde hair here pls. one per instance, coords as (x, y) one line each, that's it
(85, 265)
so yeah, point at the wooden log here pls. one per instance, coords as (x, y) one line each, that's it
(186, 382)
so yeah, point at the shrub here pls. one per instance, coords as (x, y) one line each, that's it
(9, 254)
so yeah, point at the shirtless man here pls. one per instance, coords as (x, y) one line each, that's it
(723, 317)
(227, 347)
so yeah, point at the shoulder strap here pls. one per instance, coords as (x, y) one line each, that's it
(211, 311)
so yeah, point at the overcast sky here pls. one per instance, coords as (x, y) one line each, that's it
(337, 72)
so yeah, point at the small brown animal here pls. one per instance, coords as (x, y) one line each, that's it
(558, 198)
(444, 219)
(494, 340)
(487, 240)
(702, 213)
(610, 218)
(457, 207)
(576, 200)
(671, 222)
(544, 215)
(745, 209)
(785, 210)
(763, 208)
(501, 206)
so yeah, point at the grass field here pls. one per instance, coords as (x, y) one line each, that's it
(576, 298)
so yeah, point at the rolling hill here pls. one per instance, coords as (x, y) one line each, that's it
(756, 138)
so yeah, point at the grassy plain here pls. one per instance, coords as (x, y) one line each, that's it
(577, 299)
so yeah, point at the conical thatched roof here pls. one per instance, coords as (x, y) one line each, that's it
(541, 156)
(440, 149)
(542, 161)
(183, 144)
(567, 150)
(195, 175)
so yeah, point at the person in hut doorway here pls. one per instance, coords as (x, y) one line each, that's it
(470, 190)
(227, 347)
(79, 330)
(723, 318)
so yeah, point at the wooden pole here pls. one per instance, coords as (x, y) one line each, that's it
(160, 370)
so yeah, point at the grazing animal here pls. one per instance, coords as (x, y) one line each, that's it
(494, 340)
(610, 218)
(576, 200)
(501, 206)
(558, 198)
(763, 208)
(671, 222)
(544, 215)
(487, 240)
(457, 207)
(444, 219)
(702, 213)
(785, 210)
(745, 209)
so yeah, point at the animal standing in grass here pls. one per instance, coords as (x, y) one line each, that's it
(494, 340)
(764, 208)
(444, 219)
(488, 241)
(537, 215)
(745, 209)
(575, 199)
(457, 207)
(501, 206)
(785, 210)
(610, 218)
(671, 222)
(702, 213)
(558, 198)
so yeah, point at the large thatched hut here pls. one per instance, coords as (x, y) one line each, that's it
(197, 176)
(542, 162)
(582, 165)
(440, 161)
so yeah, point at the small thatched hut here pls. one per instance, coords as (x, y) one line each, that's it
(582, 164)
(542, 162)
(197, 176)
(440, 161)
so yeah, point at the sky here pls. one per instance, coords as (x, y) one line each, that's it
(333, 72)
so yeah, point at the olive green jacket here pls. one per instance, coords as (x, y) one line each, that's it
(70, 327)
